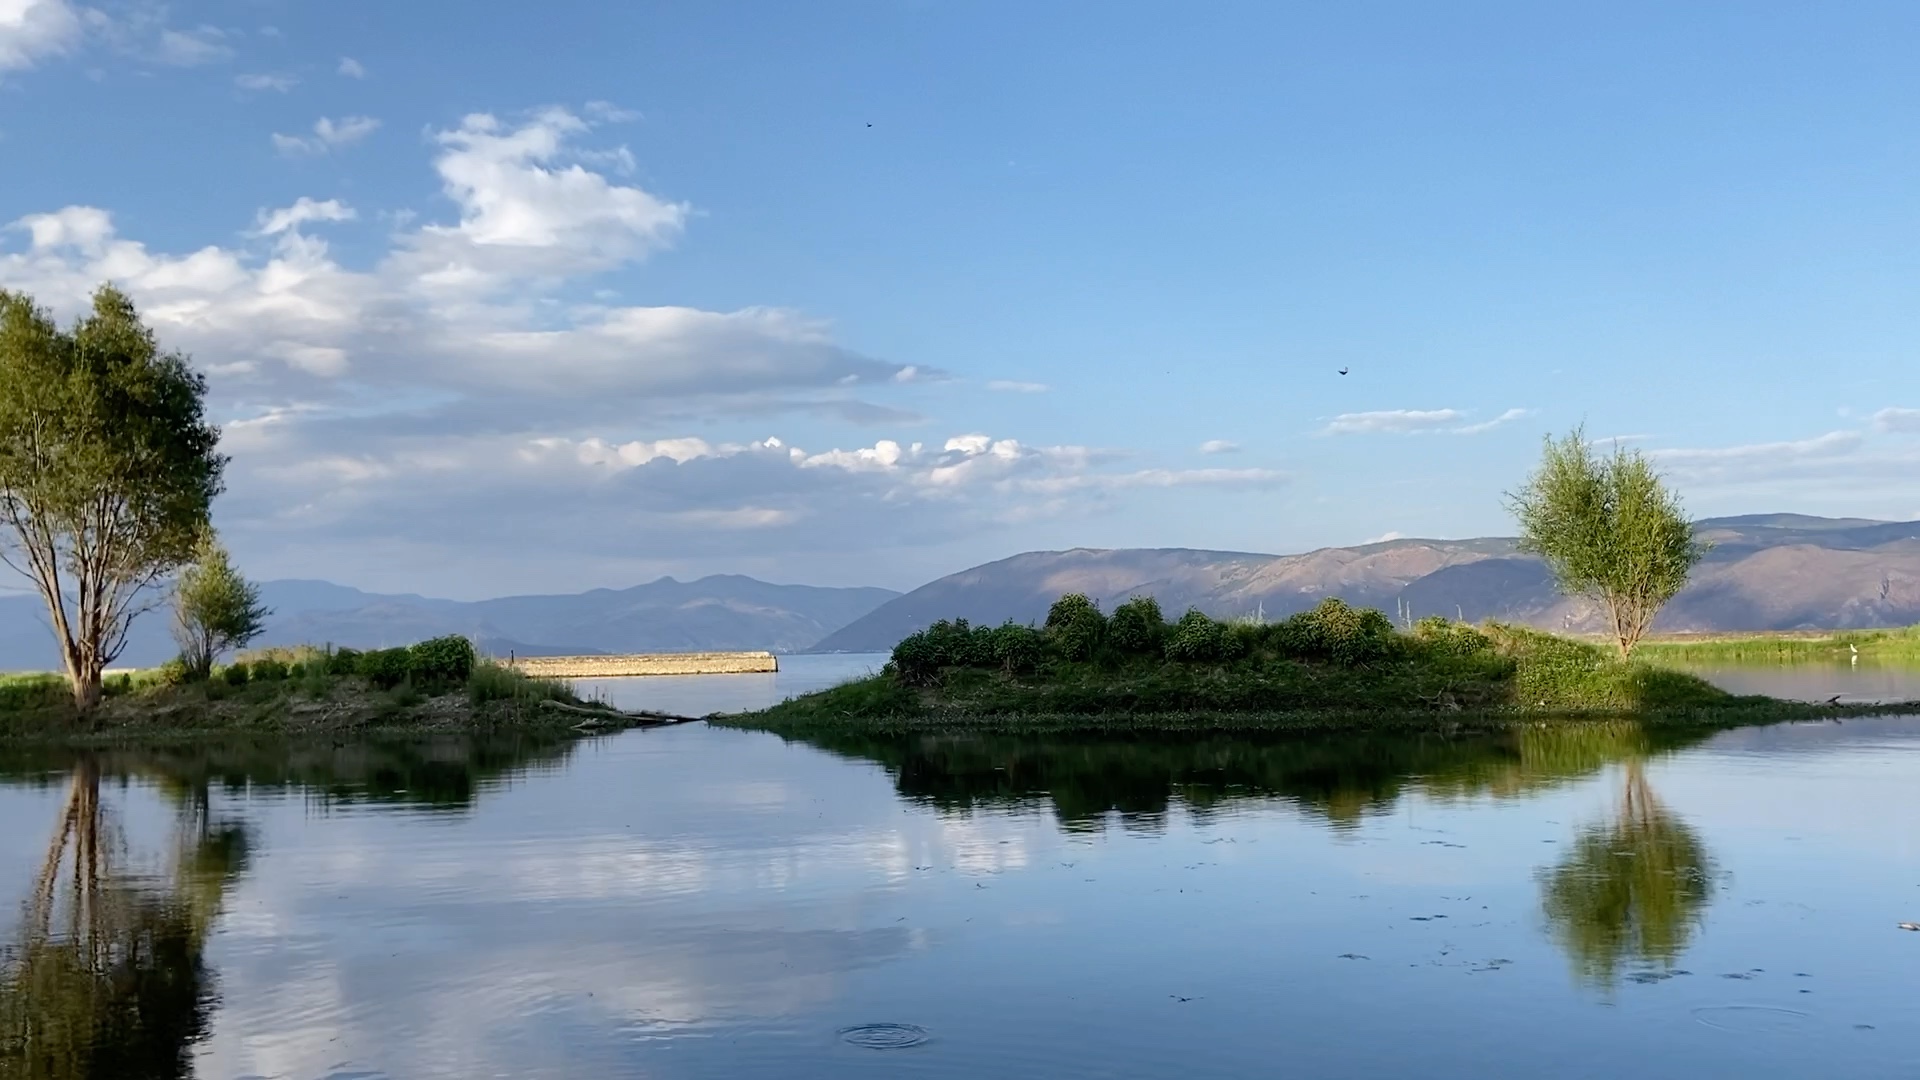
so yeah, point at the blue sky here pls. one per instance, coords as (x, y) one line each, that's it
(500, 297)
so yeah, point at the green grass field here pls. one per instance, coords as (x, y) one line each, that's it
(1788, 647)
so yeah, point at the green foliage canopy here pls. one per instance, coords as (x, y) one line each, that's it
(107, 470)
(214, 608)
(1609, 529)
(1075, 626)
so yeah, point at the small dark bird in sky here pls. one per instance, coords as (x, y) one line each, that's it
(1343, 371)
(869, 124)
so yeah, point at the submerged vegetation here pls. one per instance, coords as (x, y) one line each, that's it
(1332, 668)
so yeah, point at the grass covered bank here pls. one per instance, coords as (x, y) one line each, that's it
(1331, 669)
(1897, 646)
(436, 686)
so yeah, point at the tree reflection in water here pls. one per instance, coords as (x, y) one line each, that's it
(1631, 890)
(1345, 779)
(104, 977)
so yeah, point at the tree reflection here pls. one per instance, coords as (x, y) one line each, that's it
(1138, 778)
(1631, 890)
(105, 976)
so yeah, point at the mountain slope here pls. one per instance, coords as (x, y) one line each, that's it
(721, 612)
(1764, 572)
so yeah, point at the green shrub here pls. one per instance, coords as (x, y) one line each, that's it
(1075, 627)
(496, 682)
(1336, 631)
(1299, 637)
(1245, 638)
(234, 674)
(116, 685)
(175, 672)
(1016, 649)
(921, 656)
(1136, 627)
(1197, 638)
(441, 660)
(343, 662)
(1441, 636)
(268, 670)
(385, 668)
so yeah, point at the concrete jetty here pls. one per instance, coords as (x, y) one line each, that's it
(614, 667)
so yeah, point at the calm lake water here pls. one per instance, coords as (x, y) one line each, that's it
(698, 695)
(694, 902)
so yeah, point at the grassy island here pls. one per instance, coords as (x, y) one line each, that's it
(1332, 668)
(436, 686)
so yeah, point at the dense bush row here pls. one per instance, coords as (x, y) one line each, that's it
(1077, 632)
(437, 662)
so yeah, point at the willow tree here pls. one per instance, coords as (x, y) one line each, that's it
(107, 471)
(1609, 530)
(214, 608)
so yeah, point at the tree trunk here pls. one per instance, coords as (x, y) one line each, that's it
(84, 673)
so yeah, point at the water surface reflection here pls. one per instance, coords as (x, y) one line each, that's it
(695, 902)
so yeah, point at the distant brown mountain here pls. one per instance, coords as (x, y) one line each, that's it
(1765, 572)
(720, 612)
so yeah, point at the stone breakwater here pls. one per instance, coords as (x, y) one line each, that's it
(613, 667)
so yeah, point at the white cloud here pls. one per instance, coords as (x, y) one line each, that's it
(1618, 440)
(328, 135)
(1392, 421)
(1905, 421)
(1832, 444)
(1488, 425)
(304, 210)
(742, 517)
(192, 48)
(1842, 469)
(278, 84)
(1385, 537)
(384, 410)
(1009, 386)
(32, 30)
(528, 204)
(351, 68)
(1219, 446)
(606, 112)
(1416, 422)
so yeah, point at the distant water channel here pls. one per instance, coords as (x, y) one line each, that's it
(693, 902)
(699, 695)
(1866, 681)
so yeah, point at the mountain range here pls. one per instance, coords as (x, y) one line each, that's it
(1763, 572)
(721, 613)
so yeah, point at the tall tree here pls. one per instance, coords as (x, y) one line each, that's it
(1609, 529)
(214, 608)
(107, 471)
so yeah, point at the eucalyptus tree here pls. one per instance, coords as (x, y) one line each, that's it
(108, 468)
(1609, 529)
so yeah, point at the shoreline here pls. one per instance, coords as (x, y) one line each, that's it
(1757, 712)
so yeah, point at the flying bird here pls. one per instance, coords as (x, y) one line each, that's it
(1343, 371)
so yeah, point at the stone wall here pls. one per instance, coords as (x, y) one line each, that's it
(609, 667)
